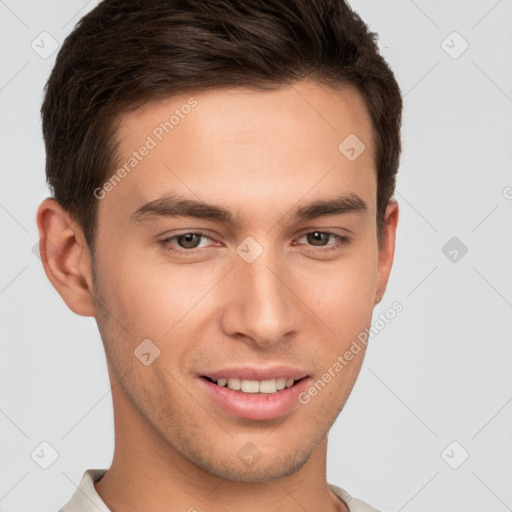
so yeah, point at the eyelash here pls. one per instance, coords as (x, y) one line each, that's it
(341, 241)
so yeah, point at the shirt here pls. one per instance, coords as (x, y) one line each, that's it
(86, 499)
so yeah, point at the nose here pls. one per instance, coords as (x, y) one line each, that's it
(260, 306)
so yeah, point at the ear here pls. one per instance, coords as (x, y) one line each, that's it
(387, 250)
(66, 257)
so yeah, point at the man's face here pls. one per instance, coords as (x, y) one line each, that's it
(270, 296)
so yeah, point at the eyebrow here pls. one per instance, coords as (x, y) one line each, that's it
(176, 206)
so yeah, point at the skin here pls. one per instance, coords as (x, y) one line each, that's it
(258, 154)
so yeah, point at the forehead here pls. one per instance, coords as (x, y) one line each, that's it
(247, 148)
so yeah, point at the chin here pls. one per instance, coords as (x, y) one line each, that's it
(274, 468)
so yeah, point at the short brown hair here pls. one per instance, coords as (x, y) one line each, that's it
(124, 53)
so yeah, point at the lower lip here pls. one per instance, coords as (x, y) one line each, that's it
(256, 406)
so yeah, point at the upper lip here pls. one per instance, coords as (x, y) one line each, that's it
(255, 373)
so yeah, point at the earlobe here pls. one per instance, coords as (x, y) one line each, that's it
(65, 256)
(387, 251)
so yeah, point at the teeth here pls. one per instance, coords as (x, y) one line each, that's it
(250, 386)
(234, 384)
(256, 386)
(268, 386)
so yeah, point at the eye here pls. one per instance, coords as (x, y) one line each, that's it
(318, 239)
(186, 241)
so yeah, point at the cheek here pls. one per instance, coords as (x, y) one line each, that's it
(158, 300)
(342, 294)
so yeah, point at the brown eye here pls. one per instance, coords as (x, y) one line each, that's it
(315, 238)
(185, 243)
(320, 239)
(188, 240)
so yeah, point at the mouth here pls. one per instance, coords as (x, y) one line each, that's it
(267, 387)
(254, 394)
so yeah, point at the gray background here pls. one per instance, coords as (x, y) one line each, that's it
(438, 373)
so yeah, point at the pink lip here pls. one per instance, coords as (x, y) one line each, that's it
(255, 406)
